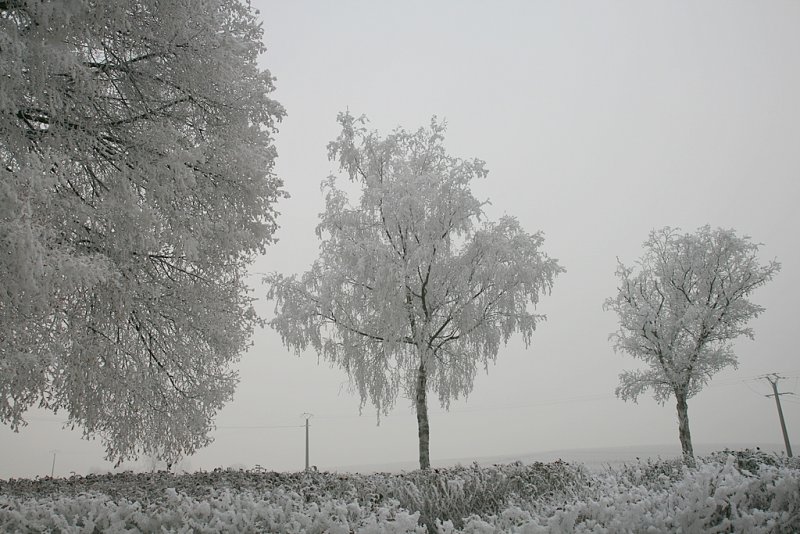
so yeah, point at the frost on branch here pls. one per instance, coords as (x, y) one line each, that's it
(411, 291)
(135, 187)
(681, 308)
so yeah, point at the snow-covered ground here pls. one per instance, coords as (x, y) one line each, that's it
(738, 492)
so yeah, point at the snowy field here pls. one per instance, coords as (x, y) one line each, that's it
(594, 459)
(727, 492)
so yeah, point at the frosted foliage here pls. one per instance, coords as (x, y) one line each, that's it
(719, 496)
(682, 306)
(407, 280)
(135, 187)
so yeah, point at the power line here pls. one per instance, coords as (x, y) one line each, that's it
(745, 382)
(474, 409)
(256, 427)
(546, 402)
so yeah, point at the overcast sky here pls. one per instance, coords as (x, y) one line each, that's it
(598, 122)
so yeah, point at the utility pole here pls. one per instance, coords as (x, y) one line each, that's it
(773, 379)
(308, 416)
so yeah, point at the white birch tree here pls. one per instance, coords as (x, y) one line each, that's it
(136, 186)
(680, 310)
(410, 293)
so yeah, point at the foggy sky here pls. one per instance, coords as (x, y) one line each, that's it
(598, 122)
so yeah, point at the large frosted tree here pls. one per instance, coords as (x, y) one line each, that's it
(136, 186)
(680, 309)
(411, 293)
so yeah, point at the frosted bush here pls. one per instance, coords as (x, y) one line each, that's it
(714, 497)
(224, 511)
(719, 495)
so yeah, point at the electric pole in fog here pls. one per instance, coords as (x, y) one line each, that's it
(53, 467)
(308, 416)
(773, 379)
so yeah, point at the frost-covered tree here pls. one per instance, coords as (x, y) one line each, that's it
(136, 186)
(410, 293)
(680, 310)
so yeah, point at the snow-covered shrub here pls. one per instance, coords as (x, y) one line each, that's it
(277, 512)
(457, 493)
(650, 473)
(751, 459)
(714, 497)
(452, 494)
(724, 493)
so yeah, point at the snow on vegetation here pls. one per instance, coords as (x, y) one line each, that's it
(726, 492)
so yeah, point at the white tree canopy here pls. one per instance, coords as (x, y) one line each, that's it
(408, 283)
(681, 309)
(136, 186)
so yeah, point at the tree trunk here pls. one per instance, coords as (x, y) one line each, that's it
(683, 430)
(422, 417)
